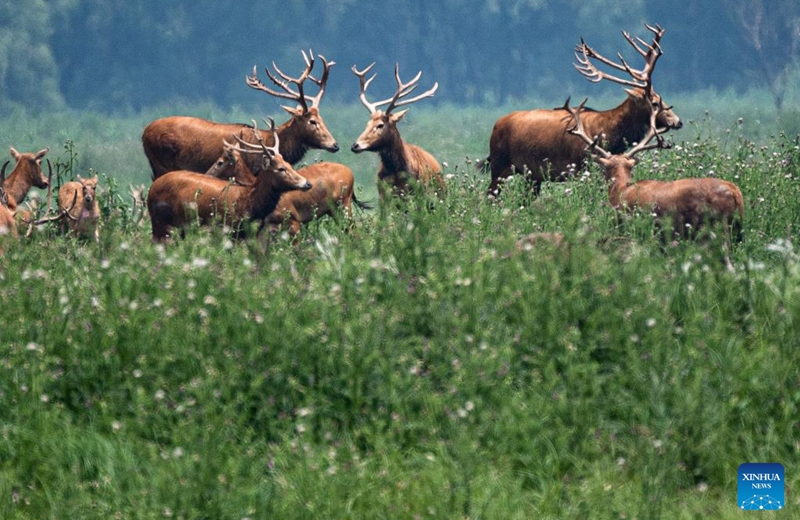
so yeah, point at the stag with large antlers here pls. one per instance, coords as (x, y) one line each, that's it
(691, 203)
(400, 161)
(177, 197)
(193, 144)
(331, 191)
(535, 143)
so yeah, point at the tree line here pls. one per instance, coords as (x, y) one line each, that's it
(132, 54)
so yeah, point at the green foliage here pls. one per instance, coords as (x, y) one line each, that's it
(444, 357)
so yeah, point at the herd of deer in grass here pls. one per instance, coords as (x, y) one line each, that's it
(207, 172)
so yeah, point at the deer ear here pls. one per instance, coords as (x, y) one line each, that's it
(14, 153)
(42, 152)
(398, 116)
(296, 112)
(634, 92)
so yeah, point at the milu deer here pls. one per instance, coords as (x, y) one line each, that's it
(79, 209)
(535, 143)
(177, 197)
(27, 173)
(401, 162)
(331, 191)
(193, 144)
(691, 203)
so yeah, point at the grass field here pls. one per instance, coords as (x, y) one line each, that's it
(427, 363)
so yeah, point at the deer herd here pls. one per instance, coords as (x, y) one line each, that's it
(206, 172)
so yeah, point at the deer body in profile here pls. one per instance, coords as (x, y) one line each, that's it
(177, 197)
(536, 142)
(193, 144)
(692, 203)
(401, 162)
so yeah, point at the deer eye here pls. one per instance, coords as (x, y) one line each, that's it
(312, 122)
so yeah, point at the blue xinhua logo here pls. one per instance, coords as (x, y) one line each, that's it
(761, 486)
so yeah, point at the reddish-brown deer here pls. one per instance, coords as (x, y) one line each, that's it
(27, 173)
(692, 203)
(401, 162)
(535, 143)
(177, 197)
(331, 191)
(193, 144)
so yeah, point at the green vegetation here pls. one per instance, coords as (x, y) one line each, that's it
(427, 363)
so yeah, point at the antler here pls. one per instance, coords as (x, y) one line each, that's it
(403, 90)
(653, 132)
(641, 78)
(326, 67)
(286, 81)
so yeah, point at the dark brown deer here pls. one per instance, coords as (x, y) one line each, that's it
(177, 197)
(27, 173)
(193, 144)
(401, 162)
(535, 143)
(691, 203)
(331, 191)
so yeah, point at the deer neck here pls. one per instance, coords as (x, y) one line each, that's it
(262, 199)
(619, 179)
(292, 146)
(628, 123)
(393, 154)
(16, 184)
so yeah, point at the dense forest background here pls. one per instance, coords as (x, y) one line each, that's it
(126, 55)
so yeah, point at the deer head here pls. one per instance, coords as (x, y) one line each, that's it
(641, 81)
(383, 123)
(306, 113)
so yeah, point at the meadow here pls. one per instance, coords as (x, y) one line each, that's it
(426, 362)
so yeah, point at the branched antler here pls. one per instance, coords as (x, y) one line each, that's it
(398, 99)
(285, 82)
(641, 78)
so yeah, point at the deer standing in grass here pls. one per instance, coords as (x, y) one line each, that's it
(176, 198)
(692, 203)
(79, 209)
(331, 191)
(27, 173)
(193, 144)
(401, 162)
(535, 143)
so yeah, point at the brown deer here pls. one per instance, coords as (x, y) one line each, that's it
(193, 144)
(79, 209)
(8, 224)
(27, 173)
(535, 142)
(691, 203)
(174, 198)
(400, 161)
(332, 188)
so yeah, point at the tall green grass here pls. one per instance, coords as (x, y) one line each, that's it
(429, 362)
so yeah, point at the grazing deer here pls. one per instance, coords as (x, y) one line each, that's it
(79, 209)
(536, 143)
(400, 161)
(691, 203)
(174, 198)
(332, 188)
(27, 172)
(193, 144)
